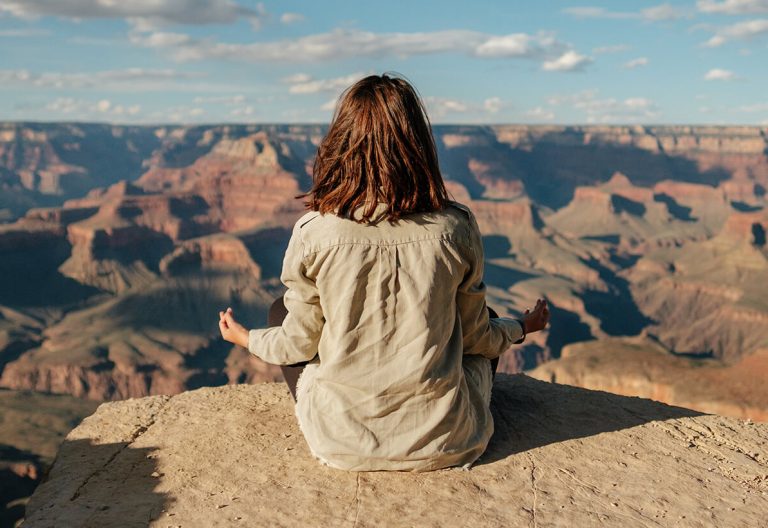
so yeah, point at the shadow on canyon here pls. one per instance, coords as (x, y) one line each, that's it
(558, 162)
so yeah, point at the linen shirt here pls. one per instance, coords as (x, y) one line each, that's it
(393, 319)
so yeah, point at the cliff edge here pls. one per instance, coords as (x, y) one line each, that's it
(561, 456)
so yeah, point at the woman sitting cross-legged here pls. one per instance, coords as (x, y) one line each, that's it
(383, 332)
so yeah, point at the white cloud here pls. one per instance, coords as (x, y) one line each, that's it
(740, 31)
(297, 78)
(568, 61)
(541, 113)
(291, 18)
(758, 107)
(651, 14)
(635, 63)
(352, 43)
(82, 109)
(514, 45)
(308, 85)
(663, 12)
(145, 13)
(608, 110)
(733, 7)
(103, 106)
(493, 105)
(329, 105)
(243, 111)
(616, 48)
(21, 33)
(126, 79)
(177, 114)
(597, 12)
(440, 106)
(718, 74)
(220, 99)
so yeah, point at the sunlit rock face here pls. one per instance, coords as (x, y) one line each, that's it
(235, 455)
(120, 244)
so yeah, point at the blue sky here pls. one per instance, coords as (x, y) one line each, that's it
(211, 61)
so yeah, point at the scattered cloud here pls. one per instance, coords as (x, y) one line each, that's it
(597, 12)
(145, 13)
(745, 30)
(733, 7)
(341, 44)
(568, 61)
(516, 45)
(24, 32)
(493, 105)
(292, 18)
(758, 107)
(126, 79)
(617, 48)
(178, 114)
(718, 74)
(83, 109)
(541, 113)
(243, 111)
(651, 14)
(330, 104)
(441, 106)
(635, 63)
(608, 110)
(663, 12)
(305, 84)
(220, 99)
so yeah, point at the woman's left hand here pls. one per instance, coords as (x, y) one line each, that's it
(231, 330)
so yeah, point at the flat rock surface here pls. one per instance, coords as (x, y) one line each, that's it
(561, 456)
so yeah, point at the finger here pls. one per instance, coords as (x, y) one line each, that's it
(229, 310)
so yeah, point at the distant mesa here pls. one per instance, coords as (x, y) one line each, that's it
(120, 242)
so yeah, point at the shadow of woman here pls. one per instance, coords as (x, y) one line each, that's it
(529, 413)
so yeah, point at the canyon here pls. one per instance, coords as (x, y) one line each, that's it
(121, 243)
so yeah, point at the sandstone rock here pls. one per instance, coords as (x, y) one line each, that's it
(641, 367)
(560, 456)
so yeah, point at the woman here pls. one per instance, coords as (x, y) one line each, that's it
(384, 314)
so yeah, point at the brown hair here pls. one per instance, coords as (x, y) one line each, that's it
(379, 148)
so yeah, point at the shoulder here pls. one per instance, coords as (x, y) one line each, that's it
(303, 223)
(461, 207)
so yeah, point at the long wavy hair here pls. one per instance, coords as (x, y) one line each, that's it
(379, 148)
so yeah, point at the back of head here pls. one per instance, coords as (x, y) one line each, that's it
(379, 148)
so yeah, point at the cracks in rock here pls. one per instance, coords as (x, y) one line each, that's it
(701, 437)
(356, 501)
(535, 490)
(134, 436)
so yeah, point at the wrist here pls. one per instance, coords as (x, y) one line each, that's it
(524, 328)
(244, 338)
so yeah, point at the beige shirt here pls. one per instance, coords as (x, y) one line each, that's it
(394, 319)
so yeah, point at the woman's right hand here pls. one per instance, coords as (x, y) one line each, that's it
(538, 318)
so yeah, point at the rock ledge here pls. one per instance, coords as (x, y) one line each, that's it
(561, 456)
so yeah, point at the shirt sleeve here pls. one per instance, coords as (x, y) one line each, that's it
(482, 335)
(297, 338)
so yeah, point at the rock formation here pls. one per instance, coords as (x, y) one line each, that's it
(563, 456)
(126, 241)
